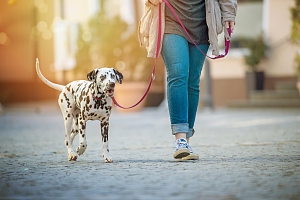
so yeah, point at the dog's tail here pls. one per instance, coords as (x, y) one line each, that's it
(47, 82)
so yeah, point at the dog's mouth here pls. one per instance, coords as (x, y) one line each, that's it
(110, 92)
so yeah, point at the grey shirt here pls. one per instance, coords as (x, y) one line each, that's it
(193, 16)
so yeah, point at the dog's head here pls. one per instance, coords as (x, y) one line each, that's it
(105, 79)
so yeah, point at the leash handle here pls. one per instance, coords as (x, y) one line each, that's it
(154, 66)
(227, 42)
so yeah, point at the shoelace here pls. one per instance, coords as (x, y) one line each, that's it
(178, 144)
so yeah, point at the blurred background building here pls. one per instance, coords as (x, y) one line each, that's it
(72, 37)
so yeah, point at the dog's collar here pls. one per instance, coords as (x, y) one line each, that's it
(96, 98)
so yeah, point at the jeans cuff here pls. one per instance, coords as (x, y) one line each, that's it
(180, 128)
(190, 133)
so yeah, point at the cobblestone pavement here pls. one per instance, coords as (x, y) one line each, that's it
(244, 154)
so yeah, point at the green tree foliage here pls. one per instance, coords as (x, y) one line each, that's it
(257, 48)
(295, 12)
(295, 33)
(112, 45)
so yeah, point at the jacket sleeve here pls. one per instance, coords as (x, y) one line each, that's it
(228, 8)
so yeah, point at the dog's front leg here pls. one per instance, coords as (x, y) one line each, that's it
(82, 137)
(104, 132)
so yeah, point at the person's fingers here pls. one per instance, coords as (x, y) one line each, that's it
(226, 24)
(231, 24)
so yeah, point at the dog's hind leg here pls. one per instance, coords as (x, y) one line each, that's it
(67, 110)
(75, 129)
(72, 156)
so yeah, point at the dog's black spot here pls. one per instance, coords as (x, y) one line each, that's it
(67, 144)
(68, 88)
(86, 108)
(67, 99)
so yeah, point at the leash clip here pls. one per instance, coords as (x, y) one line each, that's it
(153, 76)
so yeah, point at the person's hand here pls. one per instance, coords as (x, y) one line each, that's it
(229, 24)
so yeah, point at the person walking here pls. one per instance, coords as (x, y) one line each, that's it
(182, 58)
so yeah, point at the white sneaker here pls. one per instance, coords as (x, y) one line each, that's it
(192, 155)
(181, 148)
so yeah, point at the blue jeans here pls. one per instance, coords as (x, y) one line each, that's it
(184, 64)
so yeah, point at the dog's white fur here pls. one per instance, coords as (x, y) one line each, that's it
(83, 100)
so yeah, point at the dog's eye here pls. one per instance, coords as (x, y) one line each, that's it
(102, 77)
(112, 76)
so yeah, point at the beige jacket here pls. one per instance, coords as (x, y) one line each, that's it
(217, 12)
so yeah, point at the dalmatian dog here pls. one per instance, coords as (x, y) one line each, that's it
(84, 100)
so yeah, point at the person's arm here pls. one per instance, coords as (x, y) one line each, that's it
(228, 9)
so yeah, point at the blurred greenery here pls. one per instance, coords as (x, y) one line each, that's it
(295, 33)
(297, 64)
(112, 45)
(83, 62)
(257, 48)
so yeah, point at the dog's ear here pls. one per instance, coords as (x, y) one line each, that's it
(92, 75)
(119, 76)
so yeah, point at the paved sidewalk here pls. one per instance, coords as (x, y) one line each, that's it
(244, 154)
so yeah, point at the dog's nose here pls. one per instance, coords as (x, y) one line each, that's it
(111, 85)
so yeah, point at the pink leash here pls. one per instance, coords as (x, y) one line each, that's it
(227, 46)
(154, 66)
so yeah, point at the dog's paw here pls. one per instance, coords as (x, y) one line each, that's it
(72, 156)
(81, 149)
(108, 160)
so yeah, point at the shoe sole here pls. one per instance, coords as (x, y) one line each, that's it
(190, 157)
(181, 153)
